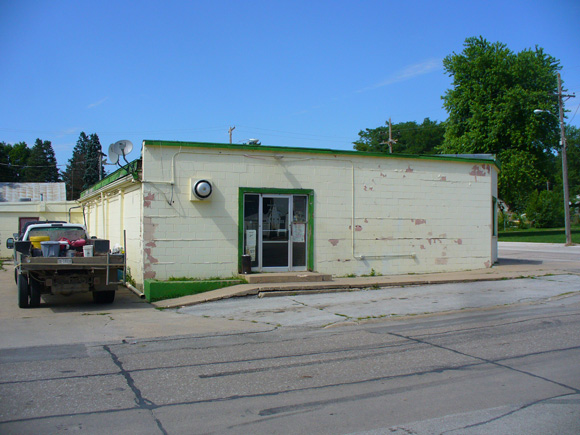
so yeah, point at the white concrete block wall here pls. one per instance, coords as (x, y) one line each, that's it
(115, 212)
(436, 209)
(131, 216)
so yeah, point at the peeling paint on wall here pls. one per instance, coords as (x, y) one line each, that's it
(409, 169)
(333, 242)
(478, 171)
(147, 199)
(148, 236)
(150, 257)
(459, 241)
(441, 261)
(487, 264)
(419, 221)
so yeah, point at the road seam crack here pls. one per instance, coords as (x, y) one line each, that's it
(140, 401)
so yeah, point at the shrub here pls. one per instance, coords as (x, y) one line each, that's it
(545, 209)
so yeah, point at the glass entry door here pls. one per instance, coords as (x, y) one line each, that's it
(275, 233)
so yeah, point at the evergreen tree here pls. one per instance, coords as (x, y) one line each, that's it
(75, 169)
(19, 155)
(94, 168)
(41, 164)
(84, 168)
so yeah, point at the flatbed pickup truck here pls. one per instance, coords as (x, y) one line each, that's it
(61, 259)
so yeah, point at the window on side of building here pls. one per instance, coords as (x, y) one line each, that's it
(494, 216)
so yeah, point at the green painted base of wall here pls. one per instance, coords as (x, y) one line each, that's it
(159, 290)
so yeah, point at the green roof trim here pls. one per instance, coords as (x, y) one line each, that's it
(327, 151)
(129, 169)
(135, 164)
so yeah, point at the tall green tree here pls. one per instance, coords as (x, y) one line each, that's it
(7, 171)
(41, 164)
(411, 138)
(94, 167)
(14, 161)
(74, 173)
(491, 110)
(573, 158)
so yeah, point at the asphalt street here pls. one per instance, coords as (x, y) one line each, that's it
(509, 370)
(463, 358)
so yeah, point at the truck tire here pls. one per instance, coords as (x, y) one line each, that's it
(104, 297)
(16, 275)
(35, 291)
(23, 291)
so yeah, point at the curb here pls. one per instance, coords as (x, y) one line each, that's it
(290, 289)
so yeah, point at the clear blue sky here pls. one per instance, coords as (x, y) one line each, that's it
(291, 73)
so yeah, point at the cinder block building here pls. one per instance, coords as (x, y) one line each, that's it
(189, 209)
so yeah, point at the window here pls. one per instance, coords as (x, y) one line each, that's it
(494, 216)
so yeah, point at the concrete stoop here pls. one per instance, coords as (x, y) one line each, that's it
(286, 277)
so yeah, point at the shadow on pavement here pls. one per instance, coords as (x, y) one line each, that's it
(83, 302)
(514, 261)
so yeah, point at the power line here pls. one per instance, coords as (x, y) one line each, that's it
(28, 166)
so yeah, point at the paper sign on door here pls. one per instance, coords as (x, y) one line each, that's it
(298, 233)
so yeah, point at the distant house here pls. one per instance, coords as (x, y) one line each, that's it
(189, 209)
(25, 202)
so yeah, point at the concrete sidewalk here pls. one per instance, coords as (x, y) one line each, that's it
(506, 268)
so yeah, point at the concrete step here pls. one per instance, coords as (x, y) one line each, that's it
(289, 277)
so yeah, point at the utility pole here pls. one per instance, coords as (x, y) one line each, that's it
(564, 162)
(230, 131)
(390, 142)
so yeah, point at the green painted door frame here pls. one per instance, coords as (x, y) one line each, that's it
(274, 191)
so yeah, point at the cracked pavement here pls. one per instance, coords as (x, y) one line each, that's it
(316, 310)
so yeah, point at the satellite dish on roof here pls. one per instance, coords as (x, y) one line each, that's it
(119, 148)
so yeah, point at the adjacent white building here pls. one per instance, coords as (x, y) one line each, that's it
(26, 202)
(189, 209)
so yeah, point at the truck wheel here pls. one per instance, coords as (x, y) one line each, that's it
(35, 290)
(105, 297)
(16, 275)
(22, 291)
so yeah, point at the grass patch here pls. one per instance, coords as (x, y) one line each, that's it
(211, 278)
(158, 290)
(537, 235)
(373, 273)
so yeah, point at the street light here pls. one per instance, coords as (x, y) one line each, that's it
(564, 171)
